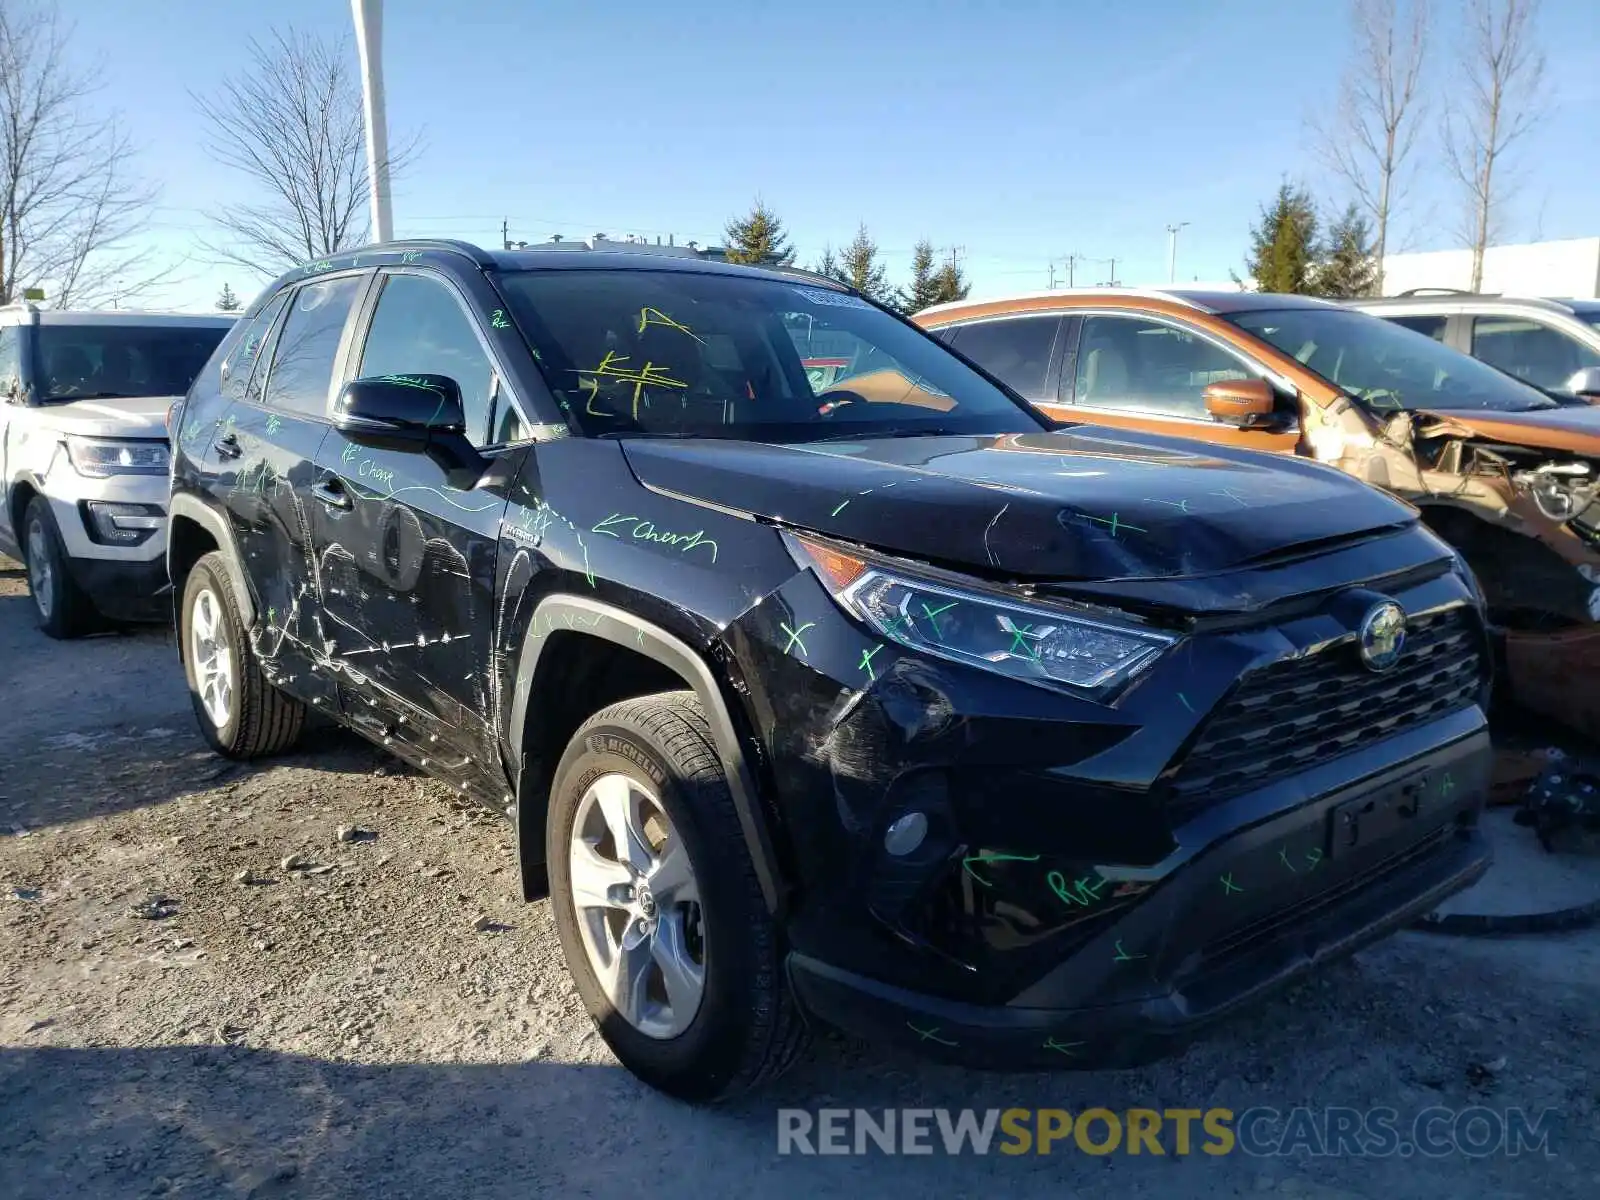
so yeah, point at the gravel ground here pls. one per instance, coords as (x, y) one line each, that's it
(382, 1016)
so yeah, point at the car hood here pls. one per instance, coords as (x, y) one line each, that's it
(1570, 427)
(130, 417)
(1084, 504)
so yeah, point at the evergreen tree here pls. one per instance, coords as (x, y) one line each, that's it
(924, 289)
(228, 301)
(1349, 267)
(1283, 243)
(759, 238)
(828, 265)
(860, 268)
(950, 283)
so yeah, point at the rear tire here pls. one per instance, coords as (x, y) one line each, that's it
(743, 1026)
(61, 608)
(240, 712)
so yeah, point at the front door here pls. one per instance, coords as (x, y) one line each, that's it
(408, 549)
(267, 445)
(1137, 372)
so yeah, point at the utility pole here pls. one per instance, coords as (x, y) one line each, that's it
(369, 45)
(1172, 251)
(505, 234)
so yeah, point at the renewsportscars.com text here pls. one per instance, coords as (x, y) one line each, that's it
(1264, 1132)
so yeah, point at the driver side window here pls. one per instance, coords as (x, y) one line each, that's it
(1149, 366)
(10, 363)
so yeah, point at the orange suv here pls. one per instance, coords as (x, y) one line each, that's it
(1507, 475)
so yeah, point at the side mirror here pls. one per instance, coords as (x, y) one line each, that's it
(1585, 384)
(402, 411)
(1246, 403)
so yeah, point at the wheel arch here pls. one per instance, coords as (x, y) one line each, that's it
(18, 496)
(580, 617)
(194, 528)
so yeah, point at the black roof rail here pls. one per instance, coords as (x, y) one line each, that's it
(814, 276)
(477, 254)
(1441, 291)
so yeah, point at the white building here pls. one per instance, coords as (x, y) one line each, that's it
(1568, 269)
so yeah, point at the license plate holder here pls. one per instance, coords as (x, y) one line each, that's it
(1375, 815)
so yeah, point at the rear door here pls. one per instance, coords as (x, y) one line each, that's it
(1141, 371)
(1021, 351)
(408, 548)
(267, 446)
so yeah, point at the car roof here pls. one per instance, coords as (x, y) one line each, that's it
(124, 317)
(450, 254)
(1445, 300)
(1208, 301)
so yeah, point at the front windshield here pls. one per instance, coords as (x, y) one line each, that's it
(1384, 365)
(76, 362)
(697, 354)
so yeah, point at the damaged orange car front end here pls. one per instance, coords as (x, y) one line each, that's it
(1507, 475)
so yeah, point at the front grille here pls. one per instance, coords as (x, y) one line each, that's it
(1301, 712)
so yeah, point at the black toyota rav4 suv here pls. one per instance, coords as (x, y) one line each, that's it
(889, 706)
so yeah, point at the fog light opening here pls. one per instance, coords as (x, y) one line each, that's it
(905, 834)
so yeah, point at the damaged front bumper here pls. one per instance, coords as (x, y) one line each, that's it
(1245, 917)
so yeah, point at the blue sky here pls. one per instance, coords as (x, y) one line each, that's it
(1022, 131)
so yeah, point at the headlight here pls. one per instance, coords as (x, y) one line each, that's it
(100, 457)
(1039, 644)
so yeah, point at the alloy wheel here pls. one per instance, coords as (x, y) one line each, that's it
(212, 657)
(638, 906)
(41, 575)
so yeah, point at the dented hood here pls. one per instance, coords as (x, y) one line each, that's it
(1575, 428)
(1079, 504)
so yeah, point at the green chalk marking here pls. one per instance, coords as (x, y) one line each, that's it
(932, 615)
(1082, 893)
(1313, 857)
(1123, 955)
(794, 637)
(866, 663)
(1114, 523)
(840, 509)
(1228, 885)
(1185, 700)
(498, 320)
(1067, 1048)
(929, 1035)
(1283, 857)
(988, 857)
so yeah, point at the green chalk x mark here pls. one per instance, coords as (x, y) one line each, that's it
(1228, 885)
(1234, 496)
(988, 857)
(1068, 1048)
(929, 1035)
(1114, 523)
(932, 615)
(1018, 633)
(794, 637)
(866, 663)
(1283, 857)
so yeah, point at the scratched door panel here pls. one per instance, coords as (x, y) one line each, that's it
(267, 492)
(408, 584)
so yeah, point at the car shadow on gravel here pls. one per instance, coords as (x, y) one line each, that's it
(73, 776)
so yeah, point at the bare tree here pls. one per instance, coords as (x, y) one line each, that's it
(1502, 73)
(292, 124)
(1374, 128)
(69, 199)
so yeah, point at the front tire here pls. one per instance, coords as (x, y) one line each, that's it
(62, 609)
(658, 908)
(240, 712)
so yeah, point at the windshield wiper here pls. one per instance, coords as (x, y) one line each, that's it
(926, 431)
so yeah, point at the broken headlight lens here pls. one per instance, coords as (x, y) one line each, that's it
(1039, 644)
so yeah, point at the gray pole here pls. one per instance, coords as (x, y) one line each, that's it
(1172, 251)
(369, 45)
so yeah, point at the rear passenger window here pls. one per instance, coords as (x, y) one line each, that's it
(1431, 326)
(1016, 350)
(241, 373)
(302, 363)
(1534, 353)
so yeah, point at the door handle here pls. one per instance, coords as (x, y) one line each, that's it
(331, 492)
(227, 446)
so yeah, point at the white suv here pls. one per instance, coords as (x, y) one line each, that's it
(83, 455)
